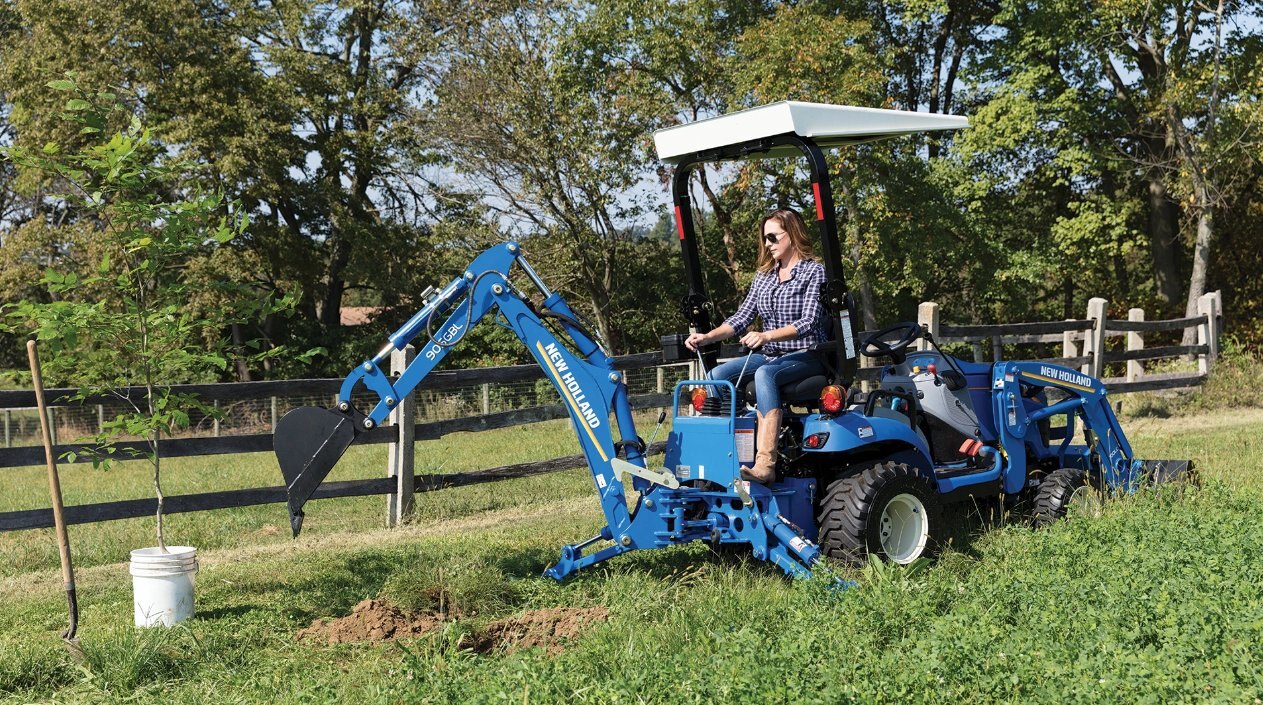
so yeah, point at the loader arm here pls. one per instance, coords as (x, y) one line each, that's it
(309, 441)
(1107, 450)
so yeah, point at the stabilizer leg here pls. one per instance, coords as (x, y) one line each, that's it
(573, 560)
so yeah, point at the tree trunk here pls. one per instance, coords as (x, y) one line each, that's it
(861, 288)
(339, 257)
(239, 344)
(731, 263)
(1164, 238)
(1201, 264)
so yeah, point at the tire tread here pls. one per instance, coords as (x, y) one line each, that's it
(847, 505)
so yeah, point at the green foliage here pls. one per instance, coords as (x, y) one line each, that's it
(374, 146)
(135, 317)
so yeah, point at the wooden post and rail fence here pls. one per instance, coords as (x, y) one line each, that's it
(1083, 345)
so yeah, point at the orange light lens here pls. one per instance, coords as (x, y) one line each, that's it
(698, 398)
(831, 398)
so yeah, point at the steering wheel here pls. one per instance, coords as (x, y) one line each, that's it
(884, 342)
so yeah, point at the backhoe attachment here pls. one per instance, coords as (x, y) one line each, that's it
(308, 442)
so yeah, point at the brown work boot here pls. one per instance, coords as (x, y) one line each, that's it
(764, 470)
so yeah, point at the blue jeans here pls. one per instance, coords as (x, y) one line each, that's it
(769, 374)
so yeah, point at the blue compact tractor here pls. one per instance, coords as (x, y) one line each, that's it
(859, 474)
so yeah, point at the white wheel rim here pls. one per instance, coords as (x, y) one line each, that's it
(904, 529)
(1084, 502)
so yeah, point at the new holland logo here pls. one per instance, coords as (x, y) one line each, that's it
(1065, 376)
(576, 392)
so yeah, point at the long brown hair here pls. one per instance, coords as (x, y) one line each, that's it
(792, 223)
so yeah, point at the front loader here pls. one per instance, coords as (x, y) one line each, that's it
(858, 475)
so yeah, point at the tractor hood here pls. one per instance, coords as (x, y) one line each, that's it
(729, 136)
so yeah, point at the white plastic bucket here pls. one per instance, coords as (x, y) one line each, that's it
(162, 584)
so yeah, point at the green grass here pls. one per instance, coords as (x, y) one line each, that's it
(1158, 600)
(109, 542)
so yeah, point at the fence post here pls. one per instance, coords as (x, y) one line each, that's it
(8, 418)
(1205, 333)
(486, 399)
(1216, 322)
(662, 378)
(1069, 348)
(1135, 341)
(997, 348)
(927, 316)
(402, 452)
(100, 418)
(52, 425)
(215, 419)
(273, 414)
(976, 346)
(1094, 341)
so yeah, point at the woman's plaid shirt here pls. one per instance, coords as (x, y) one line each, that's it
(793, 302)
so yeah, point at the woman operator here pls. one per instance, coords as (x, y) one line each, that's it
(785, 295)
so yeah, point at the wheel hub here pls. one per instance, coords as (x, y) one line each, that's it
(904, 529)
(1084, 502)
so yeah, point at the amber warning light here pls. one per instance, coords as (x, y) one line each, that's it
(831, 398)
(698, 398)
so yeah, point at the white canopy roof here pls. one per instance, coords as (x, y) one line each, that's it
(828, 125)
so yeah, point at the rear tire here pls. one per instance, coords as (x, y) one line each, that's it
(1065, 492)
(887, 509)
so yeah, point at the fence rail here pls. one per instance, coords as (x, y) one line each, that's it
(1087, 336)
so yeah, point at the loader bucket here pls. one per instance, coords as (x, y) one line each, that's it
(1158, 472)
(308, 442)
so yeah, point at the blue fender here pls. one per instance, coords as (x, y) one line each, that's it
(853, 430)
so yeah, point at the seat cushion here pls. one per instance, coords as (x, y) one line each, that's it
(801, 392)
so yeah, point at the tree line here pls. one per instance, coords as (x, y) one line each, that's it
(1114, 150)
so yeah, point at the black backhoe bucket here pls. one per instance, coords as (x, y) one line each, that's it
(308, 442)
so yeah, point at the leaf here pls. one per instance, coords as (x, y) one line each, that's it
(104, 267)
(78, 105)
(61, 85)
(51, 148)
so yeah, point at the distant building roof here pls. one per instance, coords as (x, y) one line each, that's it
(358, 315)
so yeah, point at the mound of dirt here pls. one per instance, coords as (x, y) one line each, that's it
(551, 629)
(373, 621)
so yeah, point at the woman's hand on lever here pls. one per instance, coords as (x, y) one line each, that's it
(696, 340)
(755, 339)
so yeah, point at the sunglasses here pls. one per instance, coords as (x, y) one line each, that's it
(773, 238)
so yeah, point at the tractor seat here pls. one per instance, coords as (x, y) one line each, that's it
(804, 392)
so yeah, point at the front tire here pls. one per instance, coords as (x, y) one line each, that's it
(1065, 492)
(887, 509)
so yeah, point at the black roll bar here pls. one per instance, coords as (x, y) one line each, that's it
(835, 296)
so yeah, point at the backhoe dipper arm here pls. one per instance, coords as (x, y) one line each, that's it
(590, 388)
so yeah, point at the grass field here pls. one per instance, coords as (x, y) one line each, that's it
(1158, 600)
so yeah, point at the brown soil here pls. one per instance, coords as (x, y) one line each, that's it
(551, 629)
(373, 621)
